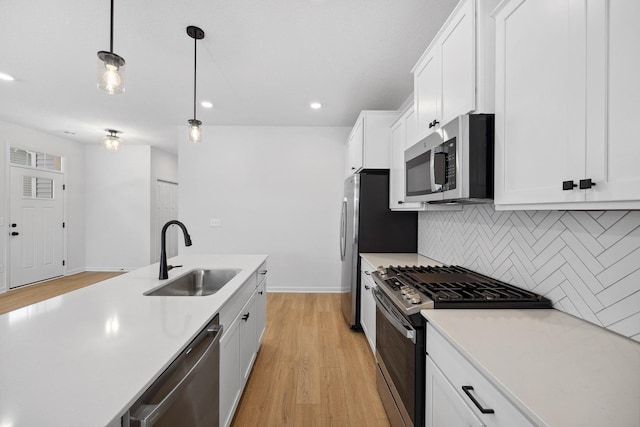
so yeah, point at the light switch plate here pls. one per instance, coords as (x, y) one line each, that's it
(215, 222)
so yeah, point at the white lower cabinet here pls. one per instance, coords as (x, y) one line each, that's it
(368, 304)
(240, 341)
(457, 394)
(229, 372)
(445, 407)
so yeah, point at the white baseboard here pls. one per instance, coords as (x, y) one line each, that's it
(124, 270)
(305, 290)
(75, 271)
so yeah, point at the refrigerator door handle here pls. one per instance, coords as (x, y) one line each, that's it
(343, 230)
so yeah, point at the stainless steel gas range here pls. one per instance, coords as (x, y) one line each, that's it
(400, 340)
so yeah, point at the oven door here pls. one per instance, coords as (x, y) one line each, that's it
(395, 353)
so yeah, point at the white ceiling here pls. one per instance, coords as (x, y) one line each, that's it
(261, 63)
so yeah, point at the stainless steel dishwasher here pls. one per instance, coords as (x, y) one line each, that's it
(187, 393)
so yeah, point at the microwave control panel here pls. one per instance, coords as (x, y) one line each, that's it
(449, 148)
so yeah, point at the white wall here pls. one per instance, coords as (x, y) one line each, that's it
(73, 152)
(277, 191)
(118, 208)
(164, 166)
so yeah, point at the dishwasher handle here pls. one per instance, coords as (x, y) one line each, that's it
(146, 415)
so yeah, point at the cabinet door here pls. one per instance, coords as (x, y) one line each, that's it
(457, 56)
(427, 86)
(230, 387)
(396, 174)
(613, 95)
(248, 346)
(540, 100)
(261, 310)
(356, 147)
(444, 407)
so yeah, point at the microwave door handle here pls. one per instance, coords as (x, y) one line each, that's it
(432, 173)
(407, 331)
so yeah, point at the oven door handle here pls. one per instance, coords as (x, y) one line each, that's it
(403, 327)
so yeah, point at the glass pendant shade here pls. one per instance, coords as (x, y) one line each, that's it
(112, 142)
(111, 73)
(195, 132)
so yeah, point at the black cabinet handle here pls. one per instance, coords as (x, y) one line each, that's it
(263, 272)
(14, 233)
(433, 124)
(568, 185)
(260, 293)
(367, 287)
(467, 389)
(585, 184)
(400, 202)
(246, 317)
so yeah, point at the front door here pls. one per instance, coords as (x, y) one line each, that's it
(35, 226)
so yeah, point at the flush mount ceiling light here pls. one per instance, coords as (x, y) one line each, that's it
(195, 132)
(206, 104)
(110, 67)
(6, 77)
(315, 105)
(112, 142)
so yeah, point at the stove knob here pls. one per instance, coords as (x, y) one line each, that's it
(416, 299)
(382, 271)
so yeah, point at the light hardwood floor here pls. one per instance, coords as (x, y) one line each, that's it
(26, 295)
(311, 370)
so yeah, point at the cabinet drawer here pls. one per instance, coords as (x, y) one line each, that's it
(460, 372)
(232, 307)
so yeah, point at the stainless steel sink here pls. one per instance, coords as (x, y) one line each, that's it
(197, 282)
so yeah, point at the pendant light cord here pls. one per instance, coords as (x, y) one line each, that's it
(195, 63)
(111, 35)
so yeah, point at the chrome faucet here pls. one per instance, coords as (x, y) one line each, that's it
(164, 268)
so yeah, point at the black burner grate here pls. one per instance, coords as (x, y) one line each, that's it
(457, 287)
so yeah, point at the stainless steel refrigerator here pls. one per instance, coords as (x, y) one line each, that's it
(368, 225)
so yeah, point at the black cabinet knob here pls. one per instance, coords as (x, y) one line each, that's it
(14, 225)
(585, 184)
(568, 185)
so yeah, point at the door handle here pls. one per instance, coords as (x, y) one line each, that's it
(14, 233)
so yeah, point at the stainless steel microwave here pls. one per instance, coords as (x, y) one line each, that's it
(454, 164)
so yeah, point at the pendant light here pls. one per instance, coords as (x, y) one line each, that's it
(195, 132)
(112, 142)
(110, 67)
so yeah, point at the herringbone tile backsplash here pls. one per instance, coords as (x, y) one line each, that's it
(587, 263)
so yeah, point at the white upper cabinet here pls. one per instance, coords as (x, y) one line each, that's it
(369, 141)
(455, 74)
(565, 95)
(403, 134)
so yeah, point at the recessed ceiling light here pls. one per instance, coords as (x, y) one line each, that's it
(206, 104)
(315, 105)
(6, 77)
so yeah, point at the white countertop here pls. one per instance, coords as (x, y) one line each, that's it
(80, 359)
(387, 259)
(557, 369)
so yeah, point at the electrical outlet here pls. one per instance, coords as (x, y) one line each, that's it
(215, 222)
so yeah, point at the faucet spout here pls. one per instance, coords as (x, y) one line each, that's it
(164, 268)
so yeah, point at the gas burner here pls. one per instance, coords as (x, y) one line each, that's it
(421, 287)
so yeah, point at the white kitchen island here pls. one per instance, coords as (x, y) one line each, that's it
(82, 358)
